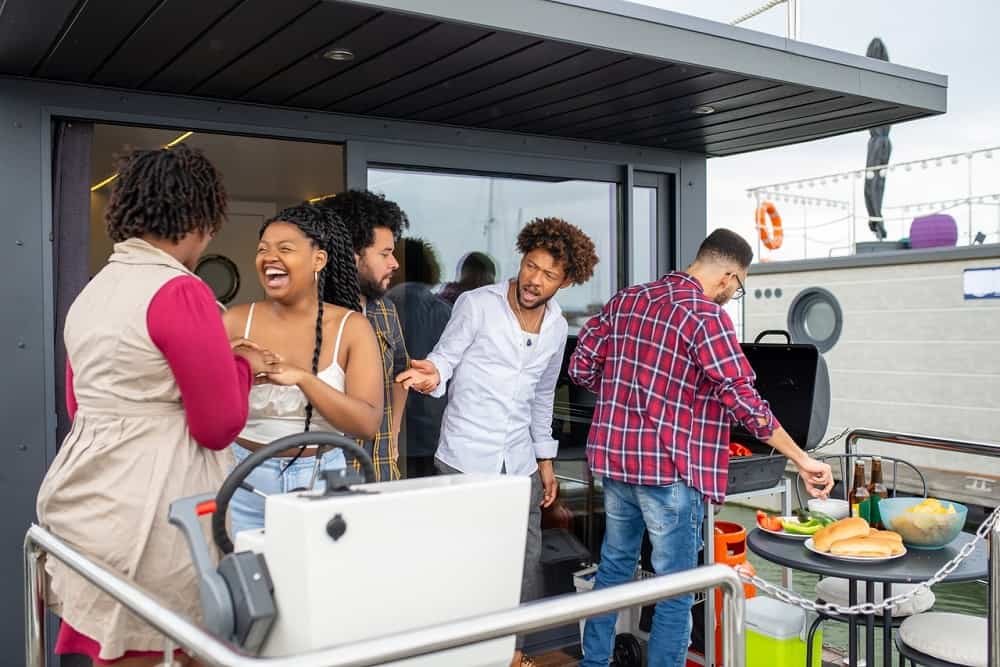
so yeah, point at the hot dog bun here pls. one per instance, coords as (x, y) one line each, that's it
(864, 547)
(844, 529)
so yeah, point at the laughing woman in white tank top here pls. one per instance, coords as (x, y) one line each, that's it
(322, 379)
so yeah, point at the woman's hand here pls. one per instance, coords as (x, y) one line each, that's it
(278, 372)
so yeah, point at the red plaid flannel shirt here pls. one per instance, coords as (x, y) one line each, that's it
(670, 376)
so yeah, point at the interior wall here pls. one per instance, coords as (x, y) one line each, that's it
(261, 177)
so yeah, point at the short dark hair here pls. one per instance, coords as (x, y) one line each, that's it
(167, 193)
(419, 261)
(726, 246)
(565, 242)
(362, 211)
(477, 269)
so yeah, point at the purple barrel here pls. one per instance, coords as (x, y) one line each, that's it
(933, 231)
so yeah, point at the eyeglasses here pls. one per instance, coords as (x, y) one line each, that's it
(740, 291)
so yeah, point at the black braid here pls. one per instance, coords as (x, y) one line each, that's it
(167, 193)
(319, 342)
(338, 280)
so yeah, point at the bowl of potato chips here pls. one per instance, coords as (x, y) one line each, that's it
(923, 523)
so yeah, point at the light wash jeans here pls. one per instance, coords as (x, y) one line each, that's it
(246, 510)
(672, 516)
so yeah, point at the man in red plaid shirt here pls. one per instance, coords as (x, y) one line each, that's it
(670, 376)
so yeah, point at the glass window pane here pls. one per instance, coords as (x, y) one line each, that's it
(462, 213)
(820, 320)
(643, 227)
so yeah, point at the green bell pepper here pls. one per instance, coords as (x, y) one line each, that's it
(808, 528)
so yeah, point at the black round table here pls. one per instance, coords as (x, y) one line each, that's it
(912, 568)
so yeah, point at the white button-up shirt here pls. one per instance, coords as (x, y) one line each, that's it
(500, 397)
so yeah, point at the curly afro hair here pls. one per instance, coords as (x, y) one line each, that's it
(167, 193)
(362, 211)
(565, 242)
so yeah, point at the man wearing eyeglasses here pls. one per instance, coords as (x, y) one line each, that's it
(670, 375)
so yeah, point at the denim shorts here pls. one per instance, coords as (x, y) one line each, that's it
(246, 510)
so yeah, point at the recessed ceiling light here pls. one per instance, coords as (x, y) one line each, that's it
(339, 54)
(703, 110)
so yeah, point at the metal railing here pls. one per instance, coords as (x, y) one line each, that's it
(963, 447)
(39, 543)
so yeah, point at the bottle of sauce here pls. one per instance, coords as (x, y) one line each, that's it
(877, 491)
(859, 495)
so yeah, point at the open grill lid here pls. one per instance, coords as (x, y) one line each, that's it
(793, 379)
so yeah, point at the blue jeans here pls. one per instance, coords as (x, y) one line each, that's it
(246, 510)
(672, 516)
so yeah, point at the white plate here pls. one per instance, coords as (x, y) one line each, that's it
(782, 533)
(854, 559)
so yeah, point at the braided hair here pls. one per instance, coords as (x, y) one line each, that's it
(167, 193)
(337, 282)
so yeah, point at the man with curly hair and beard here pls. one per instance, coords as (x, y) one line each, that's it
(503, 350)
(375, 224)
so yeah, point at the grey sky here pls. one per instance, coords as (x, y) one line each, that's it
(956, 38)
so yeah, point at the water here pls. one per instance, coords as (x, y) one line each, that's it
(965, 598)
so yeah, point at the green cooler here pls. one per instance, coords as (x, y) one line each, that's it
(775, 635)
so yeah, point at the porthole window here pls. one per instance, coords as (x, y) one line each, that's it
(815, 317)
(221, 275)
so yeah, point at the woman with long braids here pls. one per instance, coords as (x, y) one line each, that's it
(322, 379)
(156, 395)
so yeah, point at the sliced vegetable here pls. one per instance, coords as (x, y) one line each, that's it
(798, 528)
(768, 522)
(805, 516)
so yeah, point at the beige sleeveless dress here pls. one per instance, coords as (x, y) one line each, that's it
(128, 455)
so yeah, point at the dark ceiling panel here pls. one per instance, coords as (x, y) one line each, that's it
(682, 109)
(475, 55)
(366, 41)
(869, 113)
(95, 33)
(682, 121)
(165, 33)
(408, 57)
(792, 114)
(591, 93)
(498, 72)
(598, 79)
(236, 34)
(27, 32)
(811, 134)
(574, 67)
(308, 33)
(686, 93)
(849, 108)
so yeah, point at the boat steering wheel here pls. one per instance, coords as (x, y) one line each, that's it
(239, 474)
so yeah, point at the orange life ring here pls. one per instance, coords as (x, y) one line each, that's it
(769, 226)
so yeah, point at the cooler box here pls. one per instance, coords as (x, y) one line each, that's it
(775, 635)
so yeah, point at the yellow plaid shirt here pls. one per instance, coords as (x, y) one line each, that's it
(384, 449)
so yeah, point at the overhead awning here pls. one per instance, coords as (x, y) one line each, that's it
(595, 70)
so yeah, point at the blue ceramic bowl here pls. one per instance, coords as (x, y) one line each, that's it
(922, 530)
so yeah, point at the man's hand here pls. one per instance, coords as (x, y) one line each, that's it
(549, 482)
(422, 376)
(817, 476)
